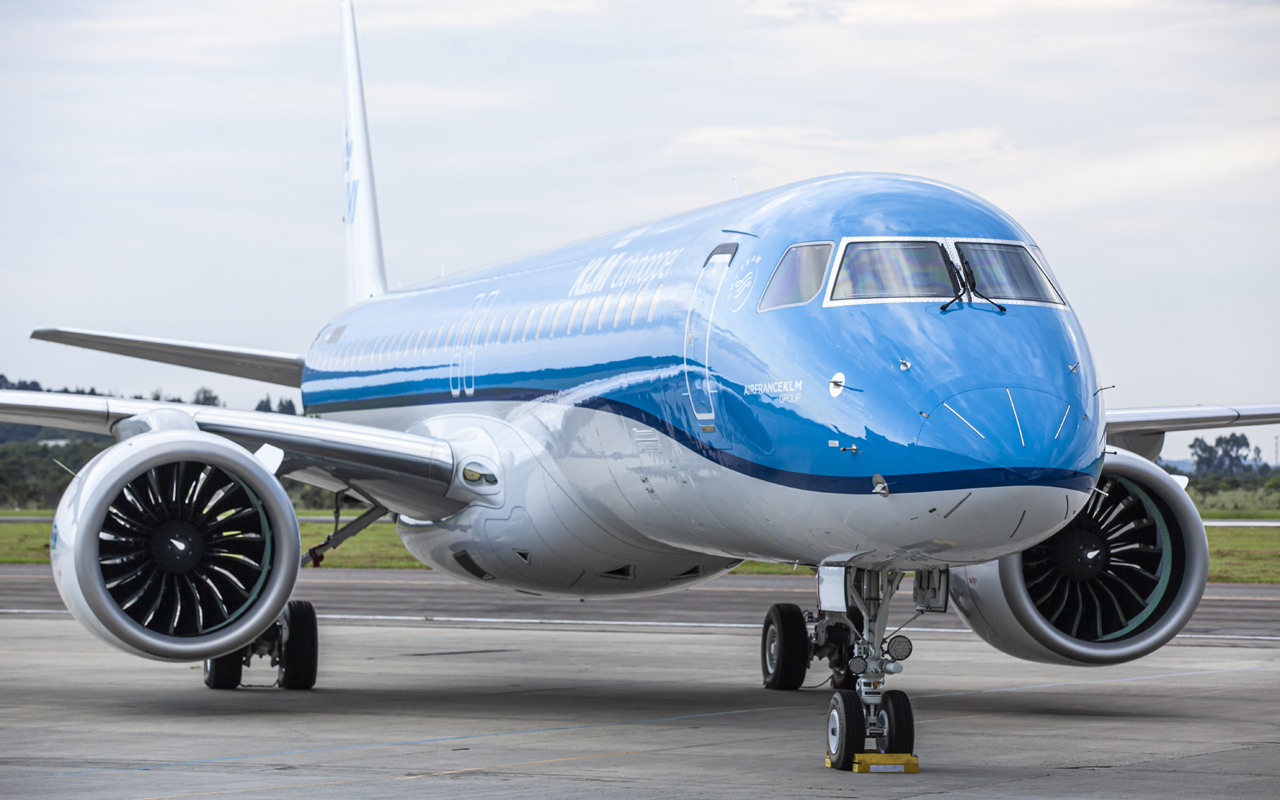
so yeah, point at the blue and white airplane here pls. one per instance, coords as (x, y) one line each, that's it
(867, 374)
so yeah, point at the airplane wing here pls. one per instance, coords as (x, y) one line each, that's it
(404, 473)
(1142, 430)
(260, 365)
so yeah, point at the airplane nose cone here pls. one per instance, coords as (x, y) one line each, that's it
(1023, 430)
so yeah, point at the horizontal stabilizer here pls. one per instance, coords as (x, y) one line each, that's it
(284, 369)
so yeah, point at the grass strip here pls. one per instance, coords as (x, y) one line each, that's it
(1236, 555)
(1244, 555)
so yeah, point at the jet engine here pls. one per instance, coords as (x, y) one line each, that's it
(1116, 583)
(175, 544)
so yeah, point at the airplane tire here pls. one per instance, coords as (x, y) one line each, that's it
(300, 654)
(224, 672)
(841, 677)
(900, 723)
(784, 648)
(846, 729)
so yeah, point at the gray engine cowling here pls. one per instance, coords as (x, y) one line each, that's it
(1118, 582)
(176, 545)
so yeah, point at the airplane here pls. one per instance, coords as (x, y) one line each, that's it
(866, 374)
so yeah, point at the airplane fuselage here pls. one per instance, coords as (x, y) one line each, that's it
(651, 422)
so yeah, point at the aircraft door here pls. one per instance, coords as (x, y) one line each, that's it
(699, 379)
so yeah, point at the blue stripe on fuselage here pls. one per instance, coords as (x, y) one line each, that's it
(829, 484)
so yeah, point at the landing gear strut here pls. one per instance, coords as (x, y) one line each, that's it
(850, 634)
(291, 643)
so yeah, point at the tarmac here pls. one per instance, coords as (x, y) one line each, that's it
(430, 686)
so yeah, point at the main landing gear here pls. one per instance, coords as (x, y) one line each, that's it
(291, 643)
(850, 633)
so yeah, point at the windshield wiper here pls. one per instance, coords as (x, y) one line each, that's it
(957, 282)
(973, 283)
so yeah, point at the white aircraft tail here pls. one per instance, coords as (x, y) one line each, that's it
(366, 274)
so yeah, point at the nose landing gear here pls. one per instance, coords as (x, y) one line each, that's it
(850, 633)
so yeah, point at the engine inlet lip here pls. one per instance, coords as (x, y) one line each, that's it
(136, 455)
(1191, 536)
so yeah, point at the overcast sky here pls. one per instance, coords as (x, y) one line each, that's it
(175, 169)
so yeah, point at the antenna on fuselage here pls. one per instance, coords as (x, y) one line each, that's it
(366, 274)
(736, 193)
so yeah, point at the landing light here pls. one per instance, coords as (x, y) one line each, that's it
(476, 474)
(899, 648)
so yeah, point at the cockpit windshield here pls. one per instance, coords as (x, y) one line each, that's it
(1006, 272)
(892, 269)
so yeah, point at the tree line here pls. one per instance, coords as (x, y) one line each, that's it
(1231, 462)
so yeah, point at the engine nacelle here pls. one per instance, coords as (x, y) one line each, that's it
(1117, 583)
(176, 545)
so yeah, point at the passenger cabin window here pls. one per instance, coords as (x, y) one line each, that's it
(573, 317)
(555, 321)
(635, 307)
(604, 311)
(622, 305)
(587, 316)
(892, 269)
(1006, 272)
(653, 304)
(537, 333)
(798, 277)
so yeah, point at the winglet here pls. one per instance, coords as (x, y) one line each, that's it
(366, 275)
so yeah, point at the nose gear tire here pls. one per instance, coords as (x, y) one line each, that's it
(846, 729)
(900, 724)
(300, 652)
(784, 648)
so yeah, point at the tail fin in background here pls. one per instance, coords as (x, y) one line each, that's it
(366, 274)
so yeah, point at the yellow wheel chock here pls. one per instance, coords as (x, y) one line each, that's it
(883, 762)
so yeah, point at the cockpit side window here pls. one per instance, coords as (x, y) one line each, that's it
(1006, 272)
(798, 277)
(892, 269)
